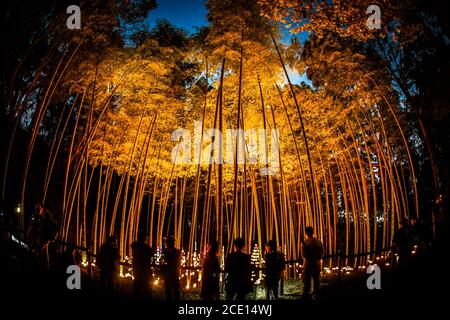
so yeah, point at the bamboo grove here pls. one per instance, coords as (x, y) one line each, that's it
(344, 164)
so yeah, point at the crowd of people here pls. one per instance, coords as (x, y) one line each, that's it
(238, 268)
(411, 237)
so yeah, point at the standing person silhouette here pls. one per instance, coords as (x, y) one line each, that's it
(142, 255)
(108, 260)
(312, 253)
(403, 243)
(274, 267)
(239, 272)
(210, 273)
(171, 269)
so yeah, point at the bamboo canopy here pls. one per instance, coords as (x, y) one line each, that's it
(142, 152)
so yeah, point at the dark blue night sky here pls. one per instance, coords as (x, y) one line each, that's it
(186, 14)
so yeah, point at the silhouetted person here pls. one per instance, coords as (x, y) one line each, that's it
(33, 236)
(421, 235)
(142, 258)
(40, 233)
(274, 266)
(403, 243)
(239, 272)
(17, 264)
(108, 260)
(211, 273)
(171, 269)
(312, 253)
